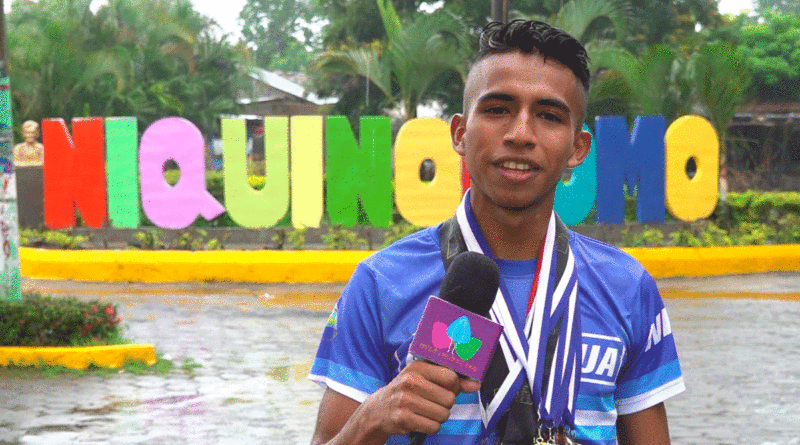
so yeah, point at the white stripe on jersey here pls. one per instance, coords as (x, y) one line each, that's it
(602, 337)
(465, 411)
(325, 382)
(650, 398)
(595, 418)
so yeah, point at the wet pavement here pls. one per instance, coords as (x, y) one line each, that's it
(254, 345)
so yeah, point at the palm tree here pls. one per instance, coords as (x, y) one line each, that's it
(414, 55)
(588, 20)
(143, 58)
(651, 83)
(600, 26)
(721, 79)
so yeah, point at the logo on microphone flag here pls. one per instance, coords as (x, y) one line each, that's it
(456, 338)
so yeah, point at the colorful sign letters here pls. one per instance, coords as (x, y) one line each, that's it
(315, 164)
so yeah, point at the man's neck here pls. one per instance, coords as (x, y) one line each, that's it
(515, 235)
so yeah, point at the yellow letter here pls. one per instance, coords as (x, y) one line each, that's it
(691, 138)
(248, 207)
(306, 136)
(426, 203)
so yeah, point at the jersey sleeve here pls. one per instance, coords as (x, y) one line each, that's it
(346, 359)
(651, 373)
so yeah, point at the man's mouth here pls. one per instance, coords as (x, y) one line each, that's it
(518, 166)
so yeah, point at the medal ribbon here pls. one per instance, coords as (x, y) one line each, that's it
(545, 351)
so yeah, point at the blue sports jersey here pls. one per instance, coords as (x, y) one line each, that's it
(629, 358)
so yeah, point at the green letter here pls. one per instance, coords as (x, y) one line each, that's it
(122, 167)
(359, 174)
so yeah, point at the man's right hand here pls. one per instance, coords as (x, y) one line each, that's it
(419, 399)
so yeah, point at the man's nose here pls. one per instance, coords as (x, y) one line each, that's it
(520, 132)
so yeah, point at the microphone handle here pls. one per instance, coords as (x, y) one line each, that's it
(417, 438)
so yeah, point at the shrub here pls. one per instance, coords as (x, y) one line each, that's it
(149, 239)
(297, 238)
(196, 239)
(58, 239)
(649, 237)
(339, 238)
(788, 231)
(754, 234)
(684, 238)
(713, 235)
(37, 320)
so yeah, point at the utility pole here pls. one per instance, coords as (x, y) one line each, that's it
(9, 223)
(499, 10)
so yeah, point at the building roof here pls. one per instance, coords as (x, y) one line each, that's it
(281, 88)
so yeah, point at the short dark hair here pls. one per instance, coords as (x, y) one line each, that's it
(535, 37)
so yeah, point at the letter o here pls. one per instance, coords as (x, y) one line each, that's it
(426, 203)
(691, 137)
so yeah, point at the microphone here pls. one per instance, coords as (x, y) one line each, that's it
(471, 282)
(453, 331)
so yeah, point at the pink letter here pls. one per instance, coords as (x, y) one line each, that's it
(175, 207)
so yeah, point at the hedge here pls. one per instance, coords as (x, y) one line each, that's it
(37, 320)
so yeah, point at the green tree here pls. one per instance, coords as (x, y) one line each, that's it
(405, 66)
(279, 32)
(143, 58)
(664, 21)
(593, 20)
(772, 52)
(653, 83)
(601, 26)
(721, 80)
(778, 6)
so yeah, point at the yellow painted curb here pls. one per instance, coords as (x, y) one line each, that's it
(184, 266)
(337, 266)
(77, 357)
(709, 261)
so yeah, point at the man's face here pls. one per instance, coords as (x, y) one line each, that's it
(520, 129)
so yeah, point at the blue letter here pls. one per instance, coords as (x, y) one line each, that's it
(637, 162)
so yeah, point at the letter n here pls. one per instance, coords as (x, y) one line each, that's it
(74, 172)
(637, 161)
(359, 174)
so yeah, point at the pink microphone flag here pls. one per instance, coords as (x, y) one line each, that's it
(455, 338)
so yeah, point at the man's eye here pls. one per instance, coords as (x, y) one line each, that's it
(496, 110)
(550, 116)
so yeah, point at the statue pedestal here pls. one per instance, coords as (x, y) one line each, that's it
(30, 197)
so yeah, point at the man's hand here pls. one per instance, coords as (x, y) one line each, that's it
(417, 400)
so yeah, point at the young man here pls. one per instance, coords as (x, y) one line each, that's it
(524, 105)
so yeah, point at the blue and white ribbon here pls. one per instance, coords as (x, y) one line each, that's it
(546, 350)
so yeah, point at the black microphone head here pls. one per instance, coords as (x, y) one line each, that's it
(471, 282)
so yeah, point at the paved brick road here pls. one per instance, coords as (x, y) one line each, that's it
(255, 344)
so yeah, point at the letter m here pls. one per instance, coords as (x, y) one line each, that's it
(74, 172)
(359, 177)
(636, 161)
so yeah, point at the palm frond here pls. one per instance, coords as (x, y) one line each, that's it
(576, 16)
(360, 61)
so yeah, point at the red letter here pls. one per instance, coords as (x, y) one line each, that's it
(74, 172)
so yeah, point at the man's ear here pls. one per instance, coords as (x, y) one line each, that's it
(457, 130)
(581, 147)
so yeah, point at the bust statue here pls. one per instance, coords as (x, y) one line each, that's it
(31, 152)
